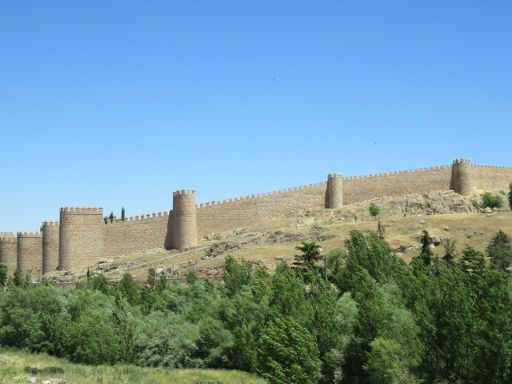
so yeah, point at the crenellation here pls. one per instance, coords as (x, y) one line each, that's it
(82, 236)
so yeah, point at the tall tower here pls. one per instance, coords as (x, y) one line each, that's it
(183, 219)
(462, 181)
(80, 237)
(8, 251)
(30, 253)
(334, 192)
(50, 231)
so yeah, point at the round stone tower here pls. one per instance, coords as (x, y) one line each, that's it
(50, 231)
(80, 237)
(183, 220)
(462, 181)
(334, 192)
(8, 251)
(30, 253)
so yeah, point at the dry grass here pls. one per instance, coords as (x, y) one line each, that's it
(470, 228)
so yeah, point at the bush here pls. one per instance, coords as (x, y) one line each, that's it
(492, 201)
(374, 209)
(510, 195)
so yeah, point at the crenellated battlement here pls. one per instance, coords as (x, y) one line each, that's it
(491, 166)
(81, 237)
(82, 210)
(235, 200)
(184, 192)
(29, 234)
(394, 173)
(50, 224)
(151, 216)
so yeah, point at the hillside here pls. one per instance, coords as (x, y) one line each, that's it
(444, 214)
(23, 367)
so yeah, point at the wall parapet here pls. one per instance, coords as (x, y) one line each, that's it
(29, 234)
(82, 210)
(184, 192)
(50, 223)
(490, 166)
(150, 216)
(394, 173)
(259, 195)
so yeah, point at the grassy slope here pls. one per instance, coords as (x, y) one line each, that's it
(469, 228)
(17, 366)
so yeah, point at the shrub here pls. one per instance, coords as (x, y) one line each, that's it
(374, 209)
(510, 195)
(492, 201)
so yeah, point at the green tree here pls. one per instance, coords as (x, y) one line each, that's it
(236, 274)
(151, 280)
(288, 353)
(3, 275)
(450, 251)
(426, 253)
(374, 209)
(510, 195)
(306, 261)
(367, 251)
(499, 250)
(388, 363)
(123, 214)
(17, 278)
(129, 289)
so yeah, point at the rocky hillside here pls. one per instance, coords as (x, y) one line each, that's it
(443, 213)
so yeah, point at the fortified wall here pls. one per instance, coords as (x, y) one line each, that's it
(81, 237)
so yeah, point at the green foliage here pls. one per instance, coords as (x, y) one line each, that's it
(450, 250)
(377, 320)
(307, 260)
(123, 214)
(509, 195)
(367, 251)
(191, 277)
(374, 209)
(491, 201)
(129, 289)
(288, 353)
(236, 275)
(16, 279)
(3, 275)
(499, 250)
(426, 252)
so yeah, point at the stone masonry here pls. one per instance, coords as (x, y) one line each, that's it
(81, 238)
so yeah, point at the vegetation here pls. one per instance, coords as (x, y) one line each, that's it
(374, 209)
(510, 195)
(18, 366)
(492, 201)
(366, 317)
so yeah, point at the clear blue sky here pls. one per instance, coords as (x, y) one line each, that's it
(112, 103)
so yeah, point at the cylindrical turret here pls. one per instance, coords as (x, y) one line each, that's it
(183, 220)
(50, 231)
(80, 237)
(462, 181)
(30, 253)
(334, 192)
(8, 251)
